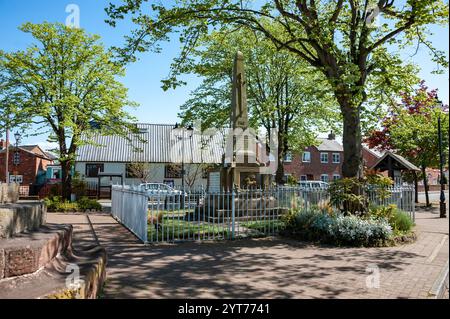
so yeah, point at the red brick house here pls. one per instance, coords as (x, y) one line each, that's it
(27, 164)
(323, 162)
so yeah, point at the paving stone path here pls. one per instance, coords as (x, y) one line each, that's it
(265, 268)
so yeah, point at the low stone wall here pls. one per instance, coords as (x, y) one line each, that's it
(42, 264)
(28, 252)
(17, 218)
(9, 193)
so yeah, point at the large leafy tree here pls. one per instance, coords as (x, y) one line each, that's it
(336, 37)
(411, 129)
(62, 85)
(283, 93)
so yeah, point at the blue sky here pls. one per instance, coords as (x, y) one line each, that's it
(143, 77)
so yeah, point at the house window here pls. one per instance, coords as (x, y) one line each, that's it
(16, 179)
(324, 157)
(92, 170)
(288, 157)
(16, 158)
(172, 171)
(336, 158)
(336, 177)
(306, 158)
(324, 178)
(303, 178)
(134, 170)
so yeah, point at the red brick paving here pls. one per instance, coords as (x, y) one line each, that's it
(266, 268)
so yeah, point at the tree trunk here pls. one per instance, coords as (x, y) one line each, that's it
(425, 186)
(279, 175)
(416, 188)
(353, 161)
(66, 179)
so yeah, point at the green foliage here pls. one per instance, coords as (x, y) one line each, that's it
(85, 204)
(337, 229)
(57, 204)
(282, 92)
(348, 194)
(64, 82)
(336, 38)
(292, 181)
(289, 219)
(351, 195)
(399, 220)
(79, 187)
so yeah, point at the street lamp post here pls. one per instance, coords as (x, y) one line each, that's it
(16, 157)
(7, 156)
(442, 208)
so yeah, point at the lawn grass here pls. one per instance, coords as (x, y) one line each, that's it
(264, 225)
(174, 229)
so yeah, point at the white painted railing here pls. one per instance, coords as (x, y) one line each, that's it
(129, 205)
(187, 215)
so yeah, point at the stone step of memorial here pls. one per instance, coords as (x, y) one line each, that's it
(40, 264)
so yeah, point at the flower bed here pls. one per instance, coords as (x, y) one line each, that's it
(379, 228)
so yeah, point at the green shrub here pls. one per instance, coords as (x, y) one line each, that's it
(56, 204)
(52, 203)
(66, 207)
(291, 181)
(337, 229)
(348, 194)
(401, 222)
(85, 204)
(398, 219)
(79, 187)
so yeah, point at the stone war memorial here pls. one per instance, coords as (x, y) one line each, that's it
(37, 260)
(244, 171)
(243, 164)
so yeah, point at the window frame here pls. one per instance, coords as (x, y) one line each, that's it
(328, 178)
(287, 158)
(303, 157)
(339, 157)
(100, 169)
(172, 176)
(327, 155)
(336, 175)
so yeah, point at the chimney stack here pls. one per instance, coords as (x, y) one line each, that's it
(331, 136)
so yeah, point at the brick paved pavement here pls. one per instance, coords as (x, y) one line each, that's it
(265, 268)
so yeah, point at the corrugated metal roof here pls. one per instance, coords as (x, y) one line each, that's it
(328, 145)
(159, 144)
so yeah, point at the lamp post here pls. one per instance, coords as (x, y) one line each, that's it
(7, 156)
(16, 158)
(442, 208)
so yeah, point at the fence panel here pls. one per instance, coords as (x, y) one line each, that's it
(199, 215)
(401, 196)
(129, 206)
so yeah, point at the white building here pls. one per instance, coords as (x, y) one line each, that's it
(163, 147)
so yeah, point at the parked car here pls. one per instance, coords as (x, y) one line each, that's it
(160, 191)
(313, 185)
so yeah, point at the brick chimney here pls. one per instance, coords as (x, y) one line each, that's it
(331, 136)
